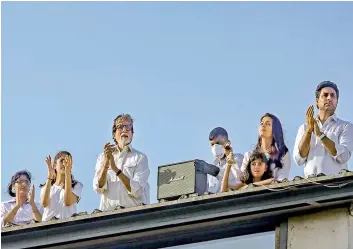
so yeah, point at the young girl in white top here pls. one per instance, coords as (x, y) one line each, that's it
(61, 193)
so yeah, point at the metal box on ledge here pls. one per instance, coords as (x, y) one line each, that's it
(180, 179)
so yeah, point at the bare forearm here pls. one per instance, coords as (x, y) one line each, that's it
(330, 145)
(225, 179)
(304, 145)
(46, 196)
(264, 182)
(36, 213)
(236, 186)
(123, 178)
(126, 181)
(11, 215)
(68, 190)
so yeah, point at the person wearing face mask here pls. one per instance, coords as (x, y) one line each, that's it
(121, 174)
(223, 155)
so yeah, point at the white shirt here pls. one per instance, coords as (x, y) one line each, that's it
(134, 165)
(278, 173)
(319, 160)
(56, 207)
(215, 183)
(24, 214)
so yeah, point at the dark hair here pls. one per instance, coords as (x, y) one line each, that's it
(218, 131)
(326, 84)
(14, 178)
(248, 177)
(279, 149)
(121, 116)
(57, 156)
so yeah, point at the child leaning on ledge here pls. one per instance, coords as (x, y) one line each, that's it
(257, 172)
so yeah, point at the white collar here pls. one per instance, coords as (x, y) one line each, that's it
(333, 117)
(129, 148)
(14, 200)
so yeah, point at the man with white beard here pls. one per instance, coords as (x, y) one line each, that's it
(121, 174)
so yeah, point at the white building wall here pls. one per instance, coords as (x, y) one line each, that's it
(329, 229)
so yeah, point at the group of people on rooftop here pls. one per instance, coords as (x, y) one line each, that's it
(323, 145)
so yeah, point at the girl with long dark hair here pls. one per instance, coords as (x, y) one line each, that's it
(271, 143)
(61, 192)
(256, 171)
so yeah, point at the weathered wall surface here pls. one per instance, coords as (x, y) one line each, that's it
(329, 229)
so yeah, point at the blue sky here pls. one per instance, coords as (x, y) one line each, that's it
(180, 69)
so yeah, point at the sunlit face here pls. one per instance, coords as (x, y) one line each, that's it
(123, 133)
(265, 128)
(24, 183)
(258, 168)
(327, 100)
(221, 140)
(59, 165)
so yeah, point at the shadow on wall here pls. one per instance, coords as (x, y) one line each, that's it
(165, 176)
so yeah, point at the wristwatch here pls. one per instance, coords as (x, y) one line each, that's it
(119, 172)
(322, 136)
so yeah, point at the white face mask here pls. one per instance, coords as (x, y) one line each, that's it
(218, 150)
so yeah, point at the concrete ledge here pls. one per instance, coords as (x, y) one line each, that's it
(179, 222)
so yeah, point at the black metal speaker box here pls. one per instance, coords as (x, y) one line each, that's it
(179, 179)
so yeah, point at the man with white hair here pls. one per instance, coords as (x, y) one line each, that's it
(121, 174)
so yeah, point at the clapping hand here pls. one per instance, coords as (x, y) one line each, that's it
(18, 199)
(32, 195)
(68, 165)
(310, 121)
(108, 151)
(51, 170)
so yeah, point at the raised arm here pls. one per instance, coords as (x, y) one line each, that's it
(36, 213)
(69, 197)
(304, 144)
(108, 159)
(224, 186)
(45, 192)
(345, 144)
(342, 150)
(140, 178)
(8, 217)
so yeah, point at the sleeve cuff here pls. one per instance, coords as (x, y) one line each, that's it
(340, 149)
(298, 159)
(100, 190)
(221, 174)
(135, 188)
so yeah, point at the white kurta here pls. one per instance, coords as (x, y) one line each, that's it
(134, 165)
